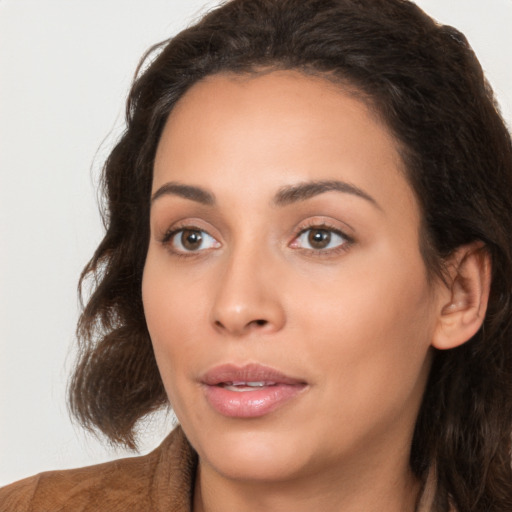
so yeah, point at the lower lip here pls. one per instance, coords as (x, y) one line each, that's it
(250, 404)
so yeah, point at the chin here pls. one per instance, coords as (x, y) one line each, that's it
(252, 454)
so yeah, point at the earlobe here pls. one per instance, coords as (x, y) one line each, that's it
(463, 301)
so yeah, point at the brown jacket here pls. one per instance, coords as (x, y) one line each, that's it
(161, 481)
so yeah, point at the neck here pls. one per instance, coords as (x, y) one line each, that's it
(375, 488)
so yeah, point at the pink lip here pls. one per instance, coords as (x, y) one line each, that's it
(278, 389)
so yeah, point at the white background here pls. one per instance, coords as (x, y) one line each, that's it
(65, 70)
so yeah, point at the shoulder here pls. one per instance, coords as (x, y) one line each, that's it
(123, 481)
(134, 484)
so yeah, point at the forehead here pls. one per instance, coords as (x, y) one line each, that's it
(262, 132)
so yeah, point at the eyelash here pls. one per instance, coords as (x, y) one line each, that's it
(342, 247)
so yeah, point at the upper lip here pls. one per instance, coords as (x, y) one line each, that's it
(228, 373)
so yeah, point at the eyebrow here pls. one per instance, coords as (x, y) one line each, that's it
(302, 191)
(191, 192)
(285, 196)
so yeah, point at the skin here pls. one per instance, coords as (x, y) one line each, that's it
(355, 321)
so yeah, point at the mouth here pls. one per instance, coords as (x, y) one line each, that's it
(249, 391)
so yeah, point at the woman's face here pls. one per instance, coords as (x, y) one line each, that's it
(284, 289)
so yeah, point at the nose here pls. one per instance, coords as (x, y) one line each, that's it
(248, 296)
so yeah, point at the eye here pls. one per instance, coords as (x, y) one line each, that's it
(320, 238)
(190, 240)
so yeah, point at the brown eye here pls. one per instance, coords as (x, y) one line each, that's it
(191, 239)
(319, 238)
(187, 240)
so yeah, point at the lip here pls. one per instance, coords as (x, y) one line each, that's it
(274, 391)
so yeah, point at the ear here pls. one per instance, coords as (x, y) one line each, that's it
(463, 297)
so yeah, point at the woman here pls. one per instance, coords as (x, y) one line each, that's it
(308, 256)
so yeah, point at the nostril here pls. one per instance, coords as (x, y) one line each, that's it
(237, 324)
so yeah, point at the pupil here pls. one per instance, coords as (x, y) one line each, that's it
(319, 238)
(191, 239)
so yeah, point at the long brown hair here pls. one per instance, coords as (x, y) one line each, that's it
(426, 84)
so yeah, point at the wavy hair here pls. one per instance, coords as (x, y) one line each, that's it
(425, 83)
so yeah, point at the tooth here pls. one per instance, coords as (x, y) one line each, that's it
(238, 389)
(244, 383)
(241, 385)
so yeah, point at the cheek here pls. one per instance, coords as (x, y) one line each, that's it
(370, 332)
(171, 298)
(171, 308)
